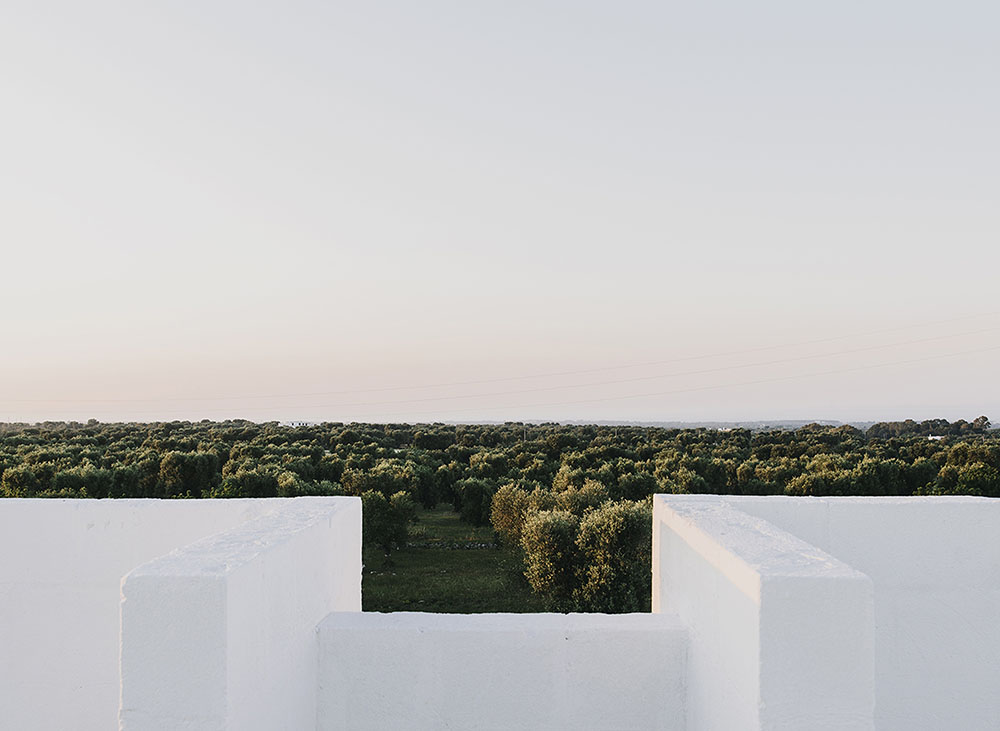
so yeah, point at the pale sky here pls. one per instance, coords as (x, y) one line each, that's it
(474, 211)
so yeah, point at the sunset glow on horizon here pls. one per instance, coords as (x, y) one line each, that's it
(440, 212)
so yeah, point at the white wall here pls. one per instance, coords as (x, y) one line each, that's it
(790, 614)
(222, 633)
(60, 575)
(496, 672)
(935, 564)
(781, 634)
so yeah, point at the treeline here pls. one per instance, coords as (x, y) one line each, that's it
(464, 465)
(571, 499)
(930, 427)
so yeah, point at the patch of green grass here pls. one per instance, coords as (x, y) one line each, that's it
(442, 576)
(443, 525)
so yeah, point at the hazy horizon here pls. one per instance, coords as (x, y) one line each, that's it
(793, 424)
(535, 211)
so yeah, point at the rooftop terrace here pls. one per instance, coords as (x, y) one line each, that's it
(768, 613)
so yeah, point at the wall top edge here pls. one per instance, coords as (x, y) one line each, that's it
(545, 621)
(735, 541)
(225, 552)
(811, 499)
(149, 502)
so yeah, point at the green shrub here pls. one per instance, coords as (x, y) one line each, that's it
(580, 500)
(509, 509)
(19, 482)
(189, 473)
(65, 493)
(385, 521)
(635, 486)
(247, 483)
(476, 499)
(550, 557)
(810, 483)
(84, 481)
(541, 499)
(327, 487)
(291, 485)
(404, 511)
(973, 479)
(979, 479)
(686, 481)
(615, 547)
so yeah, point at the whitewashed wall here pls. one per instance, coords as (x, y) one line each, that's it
(61, 591)
(222, 633)
(772, 614)
(935, 564)
(496, 672)
(61, 565)
(781, 633)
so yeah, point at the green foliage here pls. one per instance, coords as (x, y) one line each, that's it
(580, 500)
(938, 427)
(600, 563)
(248, 483)
(433, 461)
(84, 481)
(509, 509)
(385, 521)
(615, 546)
(543, 468)
(451, 567)
(976, 478)
(979, 479)
(550, 557)
(404, 508)
(188, 473)
(688, 481)
(19, 482)
(473, 498)
(635, 486)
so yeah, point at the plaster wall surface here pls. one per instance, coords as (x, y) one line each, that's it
(498, 672)
(770, 614)
(781, 633)
(60, 577)
(935, 565)
(222, 633)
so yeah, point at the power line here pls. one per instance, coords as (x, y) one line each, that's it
(654, 393)
(698, 372)
(505, 379)
(724, 385)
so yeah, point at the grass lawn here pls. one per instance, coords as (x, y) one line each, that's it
(448, 566)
